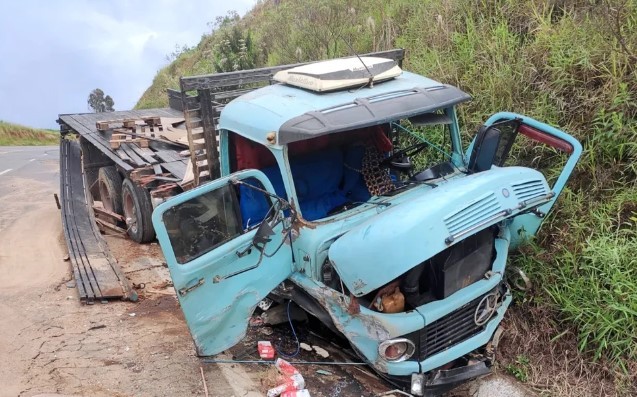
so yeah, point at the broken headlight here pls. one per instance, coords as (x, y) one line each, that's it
(396, 350)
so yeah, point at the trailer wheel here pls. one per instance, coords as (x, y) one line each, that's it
(109, 183)
(137, 212)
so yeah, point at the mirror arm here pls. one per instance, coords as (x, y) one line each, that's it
(235, 181)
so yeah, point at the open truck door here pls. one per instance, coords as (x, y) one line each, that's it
(222, 266)
(492, 146)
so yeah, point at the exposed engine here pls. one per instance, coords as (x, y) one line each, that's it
(438, 277)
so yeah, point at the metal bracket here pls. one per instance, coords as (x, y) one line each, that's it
(245, 252)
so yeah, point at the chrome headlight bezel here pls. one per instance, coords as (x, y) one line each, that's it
(406, 355)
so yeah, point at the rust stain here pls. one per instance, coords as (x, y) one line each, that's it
(299, 221)
(354, 307)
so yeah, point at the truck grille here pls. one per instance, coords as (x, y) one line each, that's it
(473, 214)
(449, 330)
(529, 189)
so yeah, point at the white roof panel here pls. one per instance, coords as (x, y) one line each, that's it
(340, 73)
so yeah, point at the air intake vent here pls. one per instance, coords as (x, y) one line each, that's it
(474, 214)
(529, 189)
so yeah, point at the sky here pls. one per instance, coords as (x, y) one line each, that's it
(54, 53)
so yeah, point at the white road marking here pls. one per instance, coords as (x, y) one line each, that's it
(5, 171)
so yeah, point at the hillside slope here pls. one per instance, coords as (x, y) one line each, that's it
(571, 63)
(18, 135)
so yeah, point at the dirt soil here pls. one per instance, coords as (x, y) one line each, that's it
(51, 343)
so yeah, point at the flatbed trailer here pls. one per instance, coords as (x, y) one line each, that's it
(130, 166)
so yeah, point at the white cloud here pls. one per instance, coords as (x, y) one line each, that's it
(55, 52)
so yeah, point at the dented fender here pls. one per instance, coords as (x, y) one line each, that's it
(365, 329)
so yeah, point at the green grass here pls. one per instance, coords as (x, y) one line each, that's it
(569, 63)
(18, 135)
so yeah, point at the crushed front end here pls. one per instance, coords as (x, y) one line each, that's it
(419, 306)
(436, 339)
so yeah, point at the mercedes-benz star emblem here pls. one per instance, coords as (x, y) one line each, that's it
(486, 308)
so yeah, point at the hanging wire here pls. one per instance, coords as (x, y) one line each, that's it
(298, 344)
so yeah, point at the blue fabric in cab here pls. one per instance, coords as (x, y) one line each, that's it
(317, 178)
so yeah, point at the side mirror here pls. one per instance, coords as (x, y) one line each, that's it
(266, 229)
(484, 150)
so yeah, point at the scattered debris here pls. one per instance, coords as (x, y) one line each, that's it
(205, 387)
(57, 201)
(518, 278)
(391, 393)
(266, 350)
(305, 347)
(296, 393)
(324, 372)
(70, 284)
(292, 379)
(132, 314)
(266, 331)
(164, 284)
(167, 293)
(66, 258)
(100, 326)
(320, 351)
(265, 304)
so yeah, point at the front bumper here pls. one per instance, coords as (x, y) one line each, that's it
(435, 383)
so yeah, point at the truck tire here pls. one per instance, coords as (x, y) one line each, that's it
(137, 212)
(109, 184)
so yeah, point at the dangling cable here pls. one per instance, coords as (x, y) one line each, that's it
(298, 344)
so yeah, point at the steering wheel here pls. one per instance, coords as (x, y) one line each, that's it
(395, 160)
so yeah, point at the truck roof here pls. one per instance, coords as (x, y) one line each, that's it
(296, 114)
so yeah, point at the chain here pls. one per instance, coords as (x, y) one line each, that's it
(376, 178)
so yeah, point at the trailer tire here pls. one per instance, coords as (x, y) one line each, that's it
(138, 210)
(109, 184)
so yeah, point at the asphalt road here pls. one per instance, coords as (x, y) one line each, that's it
(27, 162)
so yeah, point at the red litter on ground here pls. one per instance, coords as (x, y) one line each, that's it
(266, 350)
(291, 384)
(285, 367)
(296, 393)
(292, 381)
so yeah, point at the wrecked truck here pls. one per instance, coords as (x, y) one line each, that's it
(344, 187)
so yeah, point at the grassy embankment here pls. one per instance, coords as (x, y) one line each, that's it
(570, 63)
(18, 135)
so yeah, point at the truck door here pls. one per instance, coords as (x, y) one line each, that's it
(492, 146)
(222, 266)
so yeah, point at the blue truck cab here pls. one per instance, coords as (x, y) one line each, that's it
(344, 187)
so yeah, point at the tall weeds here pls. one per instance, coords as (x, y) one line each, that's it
(18, 135)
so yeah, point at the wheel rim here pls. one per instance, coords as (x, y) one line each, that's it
(130, 213)
(105, 197)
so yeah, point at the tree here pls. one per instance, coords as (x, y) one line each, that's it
(100, 103)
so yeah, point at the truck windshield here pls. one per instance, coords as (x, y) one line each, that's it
(334, 173)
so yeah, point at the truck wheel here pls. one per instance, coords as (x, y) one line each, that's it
(109, 183)
(137, 212)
